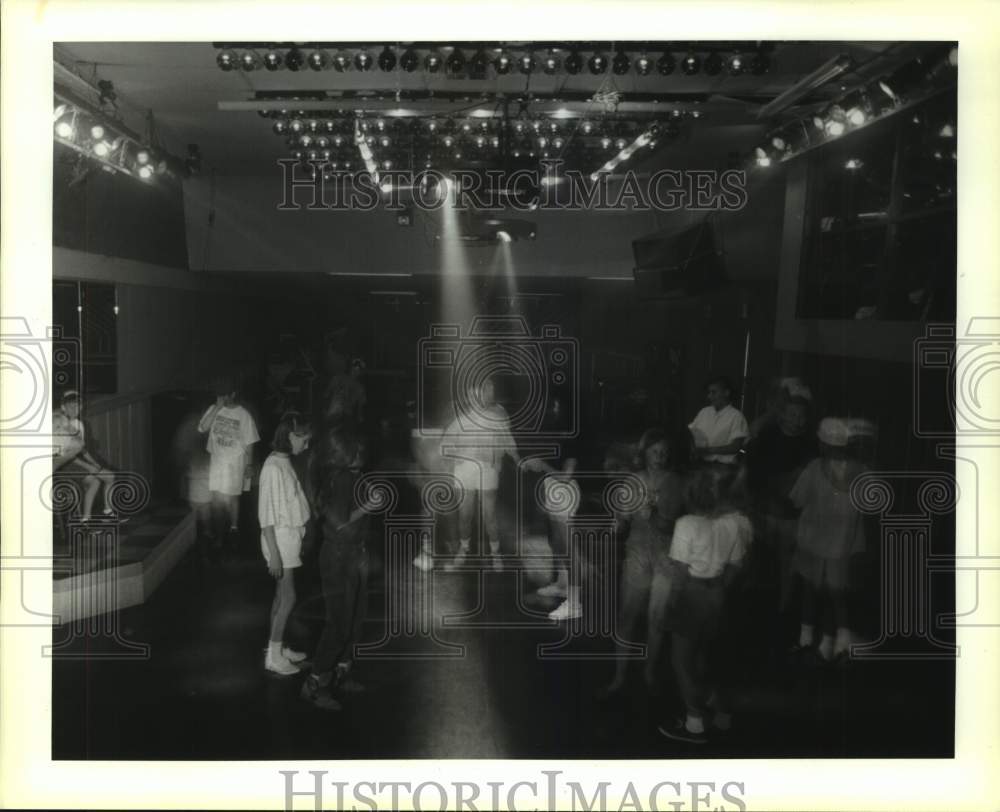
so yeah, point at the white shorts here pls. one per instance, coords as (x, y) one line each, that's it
(289, 541)
(225, 474)
(477, 477)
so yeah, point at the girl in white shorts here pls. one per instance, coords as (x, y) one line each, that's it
(283, 511)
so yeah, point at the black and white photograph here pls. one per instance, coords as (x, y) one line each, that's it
(459, 397)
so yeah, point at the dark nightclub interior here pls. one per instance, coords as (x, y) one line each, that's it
(670, 540)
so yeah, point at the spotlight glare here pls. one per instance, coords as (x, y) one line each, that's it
(551, 64)
(145, 172)
(598, 64)
(249, 61)
(318, 60)
(142, 157)
(690, 65)
(835, 128)
(735, 64)
(97, 132)
(341, 62)
(643, 65)
(856, 116)
(853, 164)
(947, 131)
(503, 236)
(526, 64)
(502, 63)
(273, 60)
(226, 60)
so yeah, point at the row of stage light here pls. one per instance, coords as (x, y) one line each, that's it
(112, 146)
(500, 60)
(911, 84)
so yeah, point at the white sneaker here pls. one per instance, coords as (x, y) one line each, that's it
(457, 561)
(567, 610)
(423, 562)
(279, 664)
(553, 590)
(292, 655)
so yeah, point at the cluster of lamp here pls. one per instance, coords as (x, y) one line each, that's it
(911, 83)
(502, 61)
(89, 135)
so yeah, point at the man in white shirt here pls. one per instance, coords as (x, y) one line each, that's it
(720, 429)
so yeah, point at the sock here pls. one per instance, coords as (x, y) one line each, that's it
(274, 648)
(843, 642)
(694, 724)
(826, 647)
(806, 635)
(722, 720)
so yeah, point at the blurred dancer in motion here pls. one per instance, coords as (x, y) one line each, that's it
(661, 459)
(478, 439)
(232, 433)
(283, 511)
(343, 561)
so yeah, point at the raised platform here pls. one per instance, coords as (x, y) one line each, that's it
(105, 567)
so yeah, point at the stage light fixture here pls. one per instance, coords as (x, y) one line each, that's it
(621, 63)
(665, 64)
(456, 61)
(318, 60)
(947, 131)
(273, 60)
(294, 60)
(736, 64)
(296, 126)
(341, 62)
(587, 127)
(643, 65)
(145, 172)
(280, 127)
(226, 60)
(409, 60)
(713, 64)
(363, 60)
(551, 63)
(597, 64)
(573, 63)
(605, 142)
(386, 60)
(142, 157)
(526, 64)
(854, 164)
(690, 65)
(503, 63)
(65, 126)
(249, 61)
(432, 62)
(761, 158)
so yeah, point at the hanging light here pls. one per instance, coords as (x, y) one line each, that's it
(690, 65)
(713, 64)
(432, 63)
(665, 64)
(526, 64)
(293, 59)
(854, 164)
(65, 125)
(363, 60)
(621, 63)
(273, 60)
(145, 172)
(142, 157)
(736, 64)
(597, 64)
(456, 61)
(226, 60)
(551, 63)
(249, 61)
(478, 64)
(409, 60)
(386, 60)
(643, 65)
(573, 63)
(341, 62)
(760, 63)
(280, 127)
(318, 60)
(503, 63)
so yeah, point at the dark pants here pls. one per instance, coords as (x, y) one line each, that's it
(824, 607)
(698, 646)
(343, 567)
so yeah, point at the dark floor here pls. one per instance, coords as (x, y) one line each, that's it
(203, 693)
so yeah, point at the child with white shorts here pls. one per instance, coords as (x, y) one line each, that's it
(283, 511)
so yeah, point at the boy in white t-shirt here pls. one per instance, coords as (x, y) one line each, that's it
(231, 434)
(720, 429)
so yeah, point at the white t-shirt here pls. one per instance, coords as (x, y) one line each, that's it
(232, 431)
(707, 544)
(712, 428)
(67, 434)
(282, 502)
(485, 437)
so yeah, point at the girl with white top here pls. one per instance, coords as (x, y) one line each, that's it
(283, 511)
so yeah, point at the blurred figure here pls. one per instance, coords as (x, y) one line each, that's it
(719, 429)
(231, 432)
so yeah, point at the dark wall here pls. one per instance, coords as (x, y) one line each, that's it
(116, 215)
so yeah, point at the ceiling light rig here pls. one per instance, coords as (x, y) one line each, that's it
(645, 61)
(912, 83)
